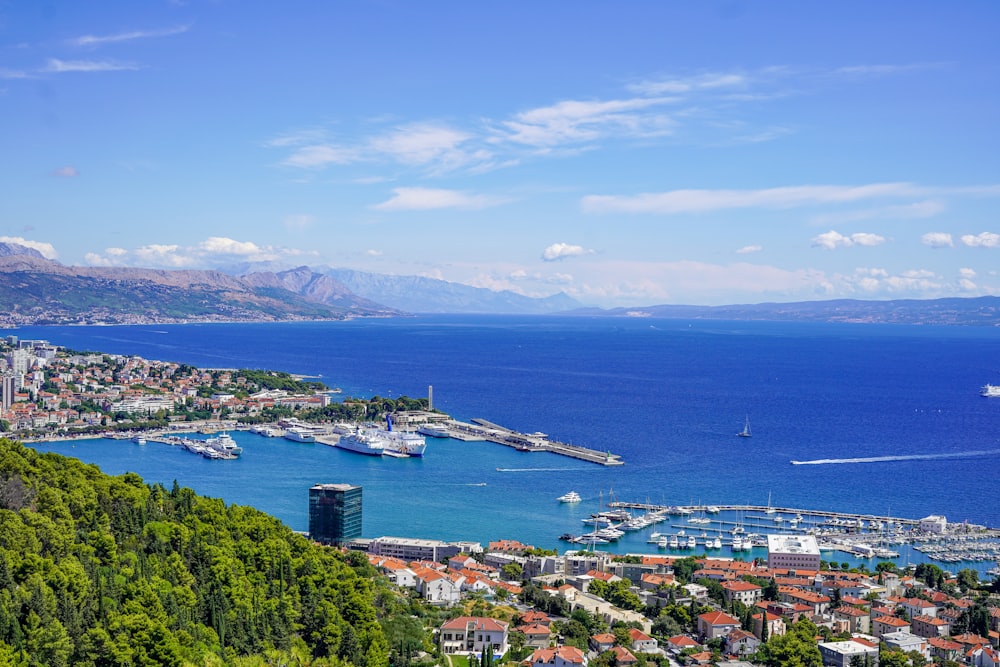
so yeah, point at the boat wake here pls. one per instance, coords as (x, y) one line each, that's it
(537, 469)
(906, 457)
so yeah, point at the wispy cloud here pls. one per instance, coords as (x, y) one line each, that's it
(317, 157)
(97, 40)
(921, 209)
(575, 121)
(699, 201)
(66, 172)
(422, 199)
(747, 249)
(559, 251)
(60, 66)
(299, 222)
(832, 240)
(13, 74)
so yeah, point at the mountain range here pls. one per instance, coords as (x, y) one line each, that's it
(36, 290)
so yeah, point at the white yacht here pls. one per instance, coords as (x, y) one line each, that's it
(571, 497)
(299, 434)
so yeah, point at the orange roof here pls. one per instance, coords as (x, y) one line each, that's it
(894, 621)
(718, 618)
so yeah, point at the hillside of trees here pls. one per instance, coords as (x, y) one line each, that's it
(100, 570)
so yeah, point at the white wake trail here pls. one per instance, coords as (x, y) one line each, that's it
(906, 457)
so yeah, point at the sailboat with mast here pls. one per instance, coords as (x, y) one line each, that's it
(745, 433)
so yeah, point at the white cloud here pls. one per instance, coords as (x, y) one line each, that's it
(116, 252)
(47, 250)
(937, 240)
(747, 249)
(93, 259)
(97, 40)
(983, 240)
(833, 239)
(60, 66)
(423, 199)
(66, 172)
(220, 245)
(967, 273)
(373, 253)
(558, 251)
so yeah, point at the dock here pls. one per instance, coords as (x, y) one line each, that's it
(481, 430)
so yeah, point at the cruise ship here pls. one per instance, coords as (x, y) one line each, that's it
(363, 441)
(991, 391)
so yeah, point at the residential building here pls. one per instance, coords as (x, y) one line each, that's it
(906, 642)
(473, 634)
(741, 591)
(882, 625)
(560, 656)
(716, 624)
(334, 513)
(839, 654)
(934, 524)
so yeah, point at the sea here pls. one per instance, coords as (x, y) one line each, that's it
(867, 418)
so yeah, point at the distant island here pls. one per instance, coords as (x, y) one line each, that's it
(38, 291)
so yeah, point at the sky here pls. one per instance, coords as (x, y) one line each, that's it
(627, 154)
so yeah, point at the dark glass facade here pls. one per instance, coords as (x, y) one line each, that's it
(334, 513)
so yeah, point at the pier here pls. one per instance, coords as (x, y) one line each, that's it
(481, 430)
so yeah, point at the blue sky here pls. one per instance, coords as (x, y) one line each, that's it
(624, 153)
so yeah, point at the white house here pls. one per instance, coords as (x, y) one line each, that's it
(472, 634)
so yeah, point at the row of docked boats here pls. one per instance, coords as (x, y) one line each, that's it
(219, 447)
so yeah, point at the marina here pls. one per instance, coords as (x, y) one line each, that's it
(741, 528)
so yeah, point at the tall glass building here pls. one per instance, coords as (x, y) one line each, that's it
(334, 513)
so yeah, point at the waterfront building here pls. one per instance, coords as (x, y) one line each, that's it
(934, 524)
(840, 654)
(410, 549)
(795, 552)
(334, 513)
(473, 634)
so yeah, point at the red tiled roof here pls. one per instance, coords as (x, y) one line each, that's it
(718, 618)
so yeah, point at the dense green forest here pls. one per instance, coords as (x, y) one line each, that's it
(100, 570)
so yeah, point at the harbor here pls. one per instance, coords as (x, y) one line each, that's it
(743, 527)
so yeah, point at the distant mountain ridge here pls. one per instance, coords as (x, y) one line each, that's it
(34, 290)
(428, 295)
(978, 311)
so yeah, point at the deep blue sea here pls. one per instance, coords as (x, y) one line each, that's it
(668, 395)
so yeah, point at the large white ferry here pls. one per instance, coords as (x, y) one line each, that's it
(363, 441)
(406, 443)
(991, 391)
(299, 434)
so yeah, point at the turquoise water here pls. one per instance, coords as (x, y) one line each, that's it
(892, 412)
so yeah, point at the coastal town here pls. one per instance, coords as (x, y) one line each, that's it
(535, 607)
